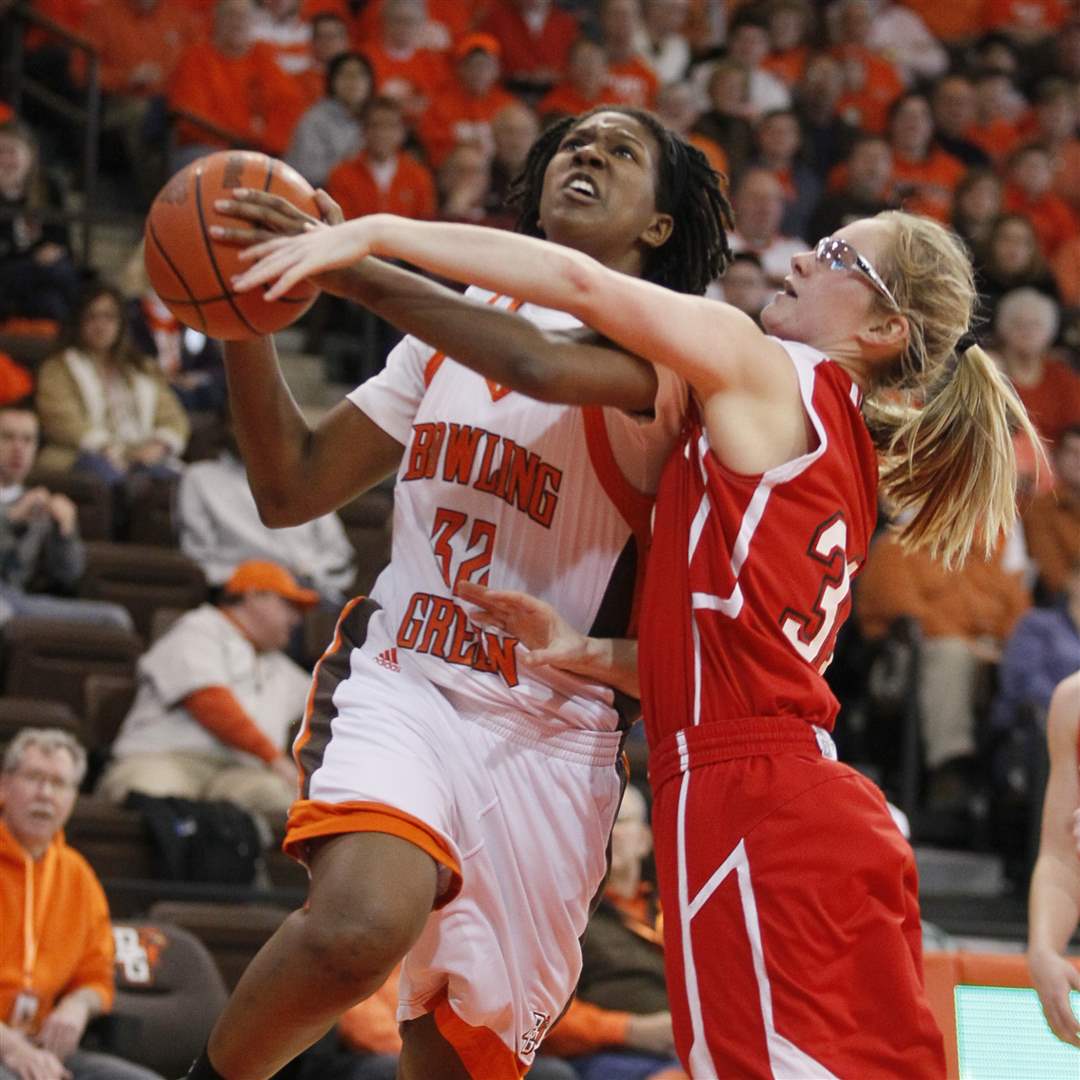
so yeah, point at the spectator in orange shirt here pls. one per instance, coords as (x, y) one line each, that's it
(536, 37)
(585, 86)
(445, 20)
(1028, 191)
(631, 80)
(726, 120)
(382, 178)
(404, 68)
(1066, 268)
(954, 105)
(964, 616)
(1057, 112)
(954, 22)
(1027, 22)
(280, 25)
(924, 175)
(677, 107)
(827, 136)
(871, 82)
(790, 27)
(234, 85)
(463, 110)
(976, 206)
(1052, 521)
(999, 109)
(866, 189)
(663, 39)
(748, 45)
(329, 39)
(1012, 260)
(1024, 328)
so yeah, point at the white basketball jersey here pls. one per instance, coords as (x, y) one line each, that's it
(512, 493)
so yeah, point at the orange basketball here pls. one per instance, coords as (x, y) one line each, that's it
(192, 273)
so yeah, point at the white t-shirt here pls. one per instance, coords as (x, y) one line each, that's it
(206, 648)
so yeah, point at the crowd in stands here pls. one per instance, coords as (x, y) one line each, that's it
(817, 112)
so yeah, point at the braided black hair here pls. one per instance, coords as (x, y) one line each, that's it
(688, 188)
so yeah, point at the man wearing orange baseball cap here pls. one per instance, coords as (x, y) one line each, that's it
(215, 698)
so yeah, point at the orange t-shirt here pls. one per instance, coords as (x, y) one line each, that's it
(1051, 217)
(1054, 402)
(931, 183)
(1034, 15)
(997, 138)
(788, 65)
(457, 16)
(868, 107)
(633, 82)
(421, 75)
(126, 36)
(411, 192)
(248, 95)
(951, 20)
(456, 116)
(525, 53)
(71, 921)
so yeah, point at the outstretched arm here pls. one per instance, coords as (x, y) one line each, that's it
(1054, 906)
(679, 331)
(551, 640)
(570, 368)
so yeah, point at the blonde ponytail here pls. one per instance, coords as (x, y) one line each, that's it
(948, 468)
(943, 420)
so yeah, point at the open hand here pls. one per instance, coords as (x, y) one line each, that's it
(1053, 977)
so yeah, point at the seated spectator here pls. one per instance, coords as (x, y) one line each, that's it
(1052, 521)
(444, 20)
(953, 102)
(56, 968)
(662, 39)
(999, 111)
(779, 144)
(1025, 325)
(976, 206)
(190, 360)
(139, 44)
(329, 40)
(1057, 113)
(1029, 191)
(330, 131)
(901, 34)
(464, 182)
(39, 536)
(104, 407)
(871, 81)
(383, 178)
(964, 616)
(38, 276)
(1028, 22)
(404, 68)
(618, 1024)
(279, 24)
(1012, 260)
(866, 189)
(234, 89)
(677, 106)
(585, 86)
(631, 80)
(513, 130)
(215, 699)
(220, 528)
(725, 119)
(1040, 652)
(744, 285)
(924, 175)
(748, 46)
(791, 26)
(827, 136)
(956, 24)
(758, 201)
(463, 111)
(535, 36)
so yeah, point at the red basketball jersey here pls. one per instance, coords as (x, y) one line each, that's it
(749, 577)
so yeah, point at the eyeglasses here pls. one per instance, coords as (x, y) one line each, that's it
(838, 254)
(37, 778)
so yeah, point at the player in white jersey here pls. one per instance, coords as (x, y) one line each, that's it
(456, 806)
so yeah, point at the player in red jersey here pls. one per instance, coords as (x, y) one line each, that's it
(1055, 883)
(790, 896)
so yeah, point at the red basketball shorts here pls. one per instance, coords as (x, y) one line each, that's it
(791, 916)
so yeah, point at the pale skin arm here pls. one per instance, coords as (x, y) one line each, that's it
(64, 1026)
(551, 640)
(1054, 903)
(673, 329)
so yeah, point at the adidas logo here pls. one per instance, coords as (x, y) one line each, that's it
(388, 659)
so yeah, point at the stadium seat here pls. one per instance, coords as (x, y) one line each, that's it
(51, 660)
(152, 515)
(168, 995)
(233, 933)
(114, 841)
(367, 521)
(108, 698)
(142, 579)
(17, 713)
(89, 493)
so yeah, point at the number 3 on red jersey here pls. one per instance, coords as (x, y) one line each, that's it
(813, 635)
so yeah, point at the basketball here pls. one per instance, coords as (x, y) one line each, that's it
(192, 272)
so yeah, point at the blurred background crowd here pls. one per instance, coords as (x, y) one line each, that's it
(124, 510)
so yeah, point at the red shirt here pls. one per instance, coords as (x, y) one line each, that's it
(525, 53)
(632, 82)
(411, 192)
(455, 116)
(421, 75)
(1051, 217)
(748, 578)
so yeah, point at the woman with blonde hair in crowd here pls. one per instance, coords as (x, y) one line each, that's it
(766, 845)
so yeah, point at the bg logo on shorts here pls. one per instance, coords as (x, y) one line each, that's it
(530, 1041)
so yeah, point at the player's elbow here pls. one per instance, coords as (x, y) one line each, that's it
(278, 508)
